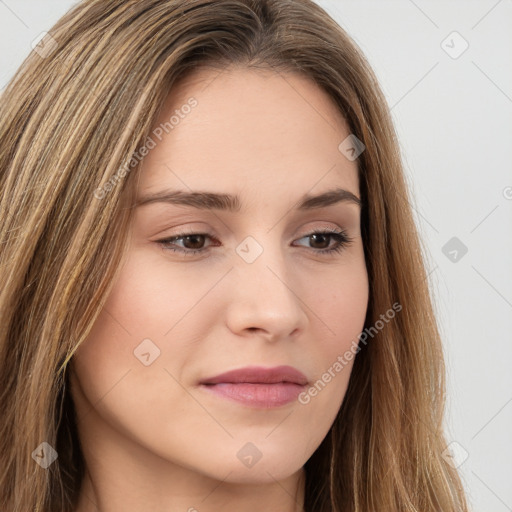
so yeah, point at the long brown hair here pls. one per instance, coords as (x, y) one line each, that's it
(72, 117)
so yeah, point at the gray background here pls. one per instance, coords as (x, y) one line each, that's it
(453, 114)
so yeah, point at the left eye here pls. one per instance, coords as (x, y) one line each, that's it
(194, 242)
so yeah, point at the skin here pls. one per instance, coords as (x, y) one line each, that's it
(152, 438)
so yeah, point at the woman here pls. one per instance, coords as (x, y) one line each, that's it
(214, 294)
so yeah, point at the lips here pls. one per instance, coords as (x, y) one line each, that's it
(258, 387)
(260, 375)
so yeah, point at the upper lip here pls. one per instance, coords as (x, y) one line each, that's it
(260, 375)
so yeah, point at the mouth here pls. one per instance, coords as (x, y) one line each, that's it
(257, 386)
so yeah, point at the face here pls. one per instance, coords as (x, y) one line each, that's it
(207, 290)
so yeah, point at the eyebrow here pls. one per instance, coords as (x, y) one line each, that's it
(214, 201)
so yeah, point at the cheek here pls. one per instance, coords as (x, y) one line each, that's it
(105, 363)
(150, 298)
(340, 303)
(149, 301)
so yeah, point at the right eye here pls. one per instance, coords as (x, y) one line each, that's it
(193, 239)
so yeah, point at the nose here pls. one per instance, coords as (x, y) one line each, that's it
(266, 301)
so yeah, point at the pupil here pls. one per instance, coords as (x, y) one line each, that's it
(325, 237)
(194, 237)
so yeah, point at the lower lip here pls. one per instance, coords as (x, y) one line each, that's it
(257, 395)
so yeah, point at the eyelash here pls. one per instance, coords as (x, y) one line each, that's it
(340, 236)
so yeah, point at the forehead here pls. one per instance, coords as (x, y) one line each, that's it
(239, 127)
